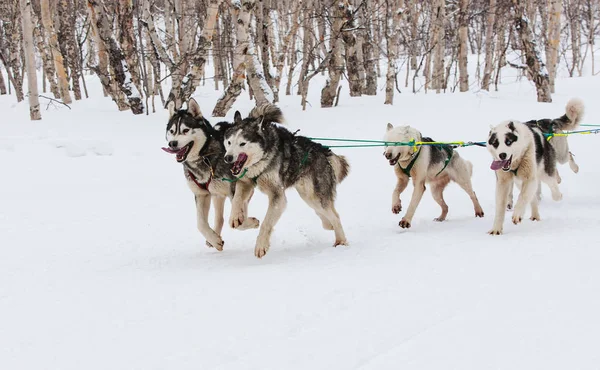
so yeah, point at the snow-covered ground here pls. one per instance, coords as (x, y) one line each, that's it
(101, 265)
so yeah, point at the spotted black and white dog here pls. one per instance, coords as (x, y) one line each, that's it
(522, 155)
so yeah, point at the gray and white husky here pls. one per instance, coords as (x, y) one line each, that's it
(199, 147)
(275, 159)
(522, 155)
(436, 165)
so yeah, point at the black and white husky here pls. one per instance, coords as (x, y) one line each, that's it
(436, 165)
(199, 147)
(275, 159)
(522, 154)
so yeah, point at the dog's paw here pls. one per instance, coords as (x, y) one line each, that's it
(439, 219)
(479, 213)
(236, 219)
(340, 242)
(396, 208)
(557, 196)
(516, 219)
(535, 218)
(509, 206)
(252, 223)
(404, 223)
(495, 232)
(216, 243)
(260, 250)
(574, 167)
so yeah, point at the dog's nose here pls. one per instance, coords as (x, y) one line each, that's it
(173, 144)
(502, 156)
(228, 158)
(387, 155)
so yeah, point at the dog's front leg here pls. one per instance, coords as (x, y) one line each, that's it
(528, 190)
(419, 189)
(202, 207)
(277, 204)
(243, 192)
(400, 186)
(504, 184)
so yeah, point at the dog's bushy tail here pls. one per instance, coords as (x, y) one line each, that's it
(340, 165)
(573, 116)
(269, 112)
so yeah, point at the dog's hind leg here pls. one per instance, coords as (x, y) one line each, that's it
(277, 203)
(327, 213)
(202, 207)
(463, 179)
(572, 164)
(552, 183)
(437, 191)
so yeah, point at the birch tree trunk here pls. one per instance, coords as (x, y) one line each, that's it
(59, 66)
(535, 67)
(439, 45)
(47, 62)
(463, 48)
(353, 56)
(242, 25)
(199, 56)
(127, 41)
(34, 103)
(2, 85)
(394, 11)
(286, 44)
(489, 45)
(68, 21)
(553, 39)
(121, 73)
(335, 62)
(14, 52)
(369, 51)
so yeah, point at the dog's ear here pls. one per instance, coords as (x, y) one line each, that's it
(194, 108)
(171, 108)
(389, 126)
(237, 117)
(511, 126)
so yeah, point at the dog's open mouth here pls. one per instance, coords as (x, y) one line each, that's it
(393, 161)
(182, 153)
(238, 165)
(502, 164)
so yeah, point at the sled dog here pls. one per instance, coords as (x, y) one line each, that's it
(268, 155)
(569, 121)
(199, 147)
(436, 165)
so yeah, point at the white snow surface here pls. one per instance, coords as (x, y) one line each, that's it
(101, 265)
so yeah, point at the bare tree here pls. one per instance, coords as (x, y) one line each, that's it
(555, 10)
(489, 45)
(534, 65)
(34, 103)
(463, 49)
(394, 10)
(59, 65)
(335, 63)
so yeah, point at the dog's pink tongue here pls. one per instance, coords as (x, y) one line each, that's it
(169, 150)
(496, 165)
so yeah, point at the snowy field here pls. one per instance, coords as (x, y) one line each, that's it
(101, 265)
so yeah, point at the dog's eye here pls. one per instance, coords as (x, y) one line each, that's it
(185, 131)
(172, 132)
(508, 142)
(229, 143)
(242, 144)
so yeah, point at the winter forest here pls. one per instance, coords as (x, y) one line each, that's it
(146, 53)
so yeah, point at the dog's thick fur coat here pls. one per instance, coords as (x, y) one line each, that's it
(275, 159)
(522, 155)
(436, 165)
(199, 147)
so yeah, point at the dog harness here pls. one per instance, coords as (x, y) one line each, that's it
(410, 165)
(449, 151)
(200, 185)
(408, 168)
